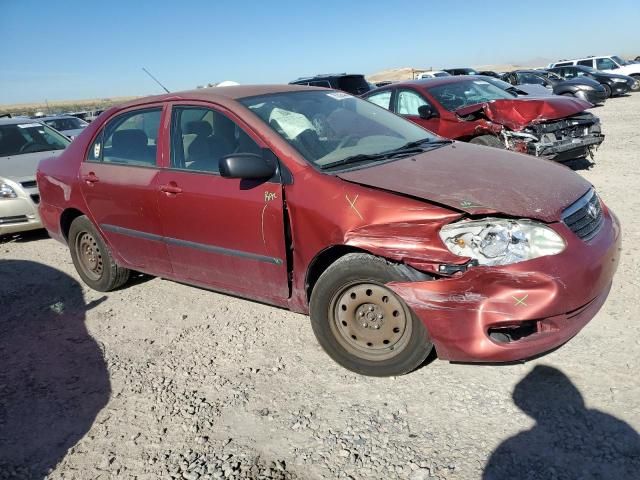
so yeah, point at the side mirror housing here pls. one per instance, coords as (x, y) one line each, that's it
(426, 112)
(246, 166)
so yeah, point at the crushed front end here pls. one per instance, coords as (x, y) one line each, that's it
(564, 139)
(516, 311)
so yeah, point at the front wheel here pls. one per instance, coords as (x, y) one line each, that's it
(361, 323)
(607, 90)
(92, 258)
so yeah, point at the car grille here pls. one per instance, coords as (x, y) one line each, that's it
(584, 217)
(29, 184)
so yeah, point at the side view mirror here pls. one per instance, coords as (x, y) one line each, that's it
(426, 112)
(247, 166)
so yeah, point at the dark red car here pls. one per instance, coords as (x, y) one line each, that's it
(394, 240)
(474, 109)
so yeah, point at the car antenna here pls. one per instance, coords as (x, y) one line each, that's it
(155, 80)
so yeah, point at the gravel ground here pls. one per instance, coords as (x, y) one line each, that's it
(162, 380)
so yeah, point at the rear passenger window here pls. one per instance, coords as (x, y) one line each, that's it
(130, 139)
(382, 99)
(200, 137)
(586, 63)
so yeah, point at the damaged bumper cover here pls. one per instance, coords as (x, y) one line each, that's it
(514, 312)
(560, 140)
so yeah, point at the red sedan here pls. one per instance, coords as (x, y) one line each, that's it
(475, 109)
(395, 241)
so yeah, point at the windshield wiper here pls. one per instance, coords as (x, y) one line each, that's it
(411, 148)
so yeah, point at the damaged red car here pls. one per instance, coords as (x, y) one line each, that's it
(474, 110)
(394, 240)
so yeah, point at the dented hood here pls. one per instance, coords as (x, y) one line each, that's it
(479, 180)
(518, 113)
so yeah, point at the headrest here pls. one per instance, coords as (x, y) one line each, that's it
(124, 140)
(200, 128)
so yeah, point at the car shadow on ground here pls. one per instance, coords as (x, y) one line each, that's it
(579, 164)
(29, 236)
(53, 376)
(568, 441)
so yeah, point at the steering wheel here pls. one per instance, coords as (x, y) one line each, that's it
(345, 140)
(27, 146)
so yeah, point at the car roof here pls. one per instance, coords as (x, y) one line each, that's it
(327, 75)
(54, 117)
(431, 82)
(18, 120)
(219, 94)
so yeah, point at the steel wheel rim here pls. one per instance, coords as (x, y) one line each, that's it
(369, 321)
(89, 256)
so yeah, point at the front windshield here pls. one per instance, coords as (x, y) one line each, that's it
(501, 84)
(69, 123)
(331, 126)
(618, 60)
(453, 96)
(29, 137)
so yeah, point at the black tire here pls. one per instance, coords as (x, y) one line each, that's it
(92, 258)
(636, 86)
(359, 270)
(607, 90)
(487, 141)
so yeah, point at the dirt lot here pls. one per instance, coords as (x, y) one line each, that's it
(162, 380)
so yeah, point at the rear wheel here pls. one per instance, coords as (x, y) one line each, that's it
(361, 323)
(488, 141)
(92, 258)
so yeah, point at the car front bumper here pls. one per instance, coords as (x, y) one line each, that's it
(21, 213)
(595, 97)
(620, 88)
(541, 303)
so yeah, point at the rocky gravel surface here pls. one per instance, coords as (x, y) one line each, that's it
(163, 380)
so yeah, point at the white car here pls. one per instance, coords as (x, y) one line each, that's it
(23, 143)
(435, 74)
(606, 63)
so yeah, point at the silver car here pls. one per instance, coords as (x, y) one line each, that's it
(65, 124)
(23, 143)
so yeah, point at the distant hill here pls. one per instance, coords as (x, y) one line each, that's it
(62, 106)
(407, 73)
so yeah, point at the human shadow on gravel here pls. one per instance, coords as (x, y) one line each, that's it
(568, 440)
(53, 376)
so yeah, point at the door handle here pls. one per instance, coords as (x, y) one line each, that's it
(171, 189)
(91, 178)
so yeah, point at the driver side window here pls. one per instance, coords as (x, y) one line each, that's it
(200, 137)
(605, 64)
(408, 102)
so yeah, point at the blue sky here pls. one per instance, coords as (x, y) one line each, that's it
(73, 49)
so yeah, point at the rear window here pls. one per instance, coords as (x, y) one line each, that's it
(354, 84)
(29, 137)
(563, 64)
(586, 63)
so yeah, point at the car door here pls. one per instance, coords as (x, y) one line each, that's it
(408, 101)
(118, 184)
(228, 234)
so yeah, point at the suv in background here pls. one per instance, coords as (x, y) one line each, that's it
(607, 63)
(354, 84)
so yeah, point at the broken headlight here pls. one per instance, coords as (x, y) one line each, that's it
(497, 241)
